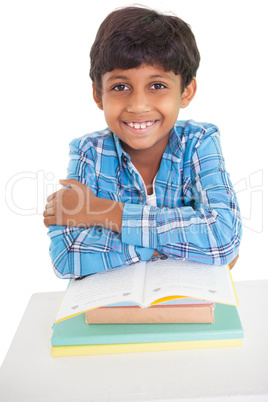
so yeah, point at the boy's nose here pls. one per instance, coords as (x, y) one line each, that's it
(138, 102)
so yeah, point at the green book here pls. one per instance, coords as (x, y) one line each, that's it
(74, 331)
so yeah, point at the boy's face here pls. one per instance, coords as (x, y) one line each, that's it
(141, 105)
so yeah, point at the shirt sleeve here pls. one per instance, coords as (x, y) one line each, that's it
(77, 252)
(207, 226)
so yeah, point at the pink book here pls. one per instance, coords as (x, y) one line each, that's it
(175, 312)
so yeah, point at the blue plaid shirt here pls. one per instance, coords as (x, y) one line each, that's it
(196, 218)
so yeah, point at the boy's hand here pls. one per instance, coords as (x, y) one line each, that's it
(78, 206)
(232, 264)
(69, 206)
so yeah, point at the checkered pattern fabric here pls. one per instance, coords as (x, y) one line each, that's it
(196, 218)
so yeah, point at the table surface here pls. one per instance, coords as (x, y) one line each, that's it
(29, 373)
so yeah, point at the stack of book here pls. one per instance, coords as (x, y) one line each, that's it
(160, 305)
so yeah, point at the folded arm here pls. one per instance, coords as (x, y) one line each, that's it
(207, 227)
(108, 234)
(84, 229)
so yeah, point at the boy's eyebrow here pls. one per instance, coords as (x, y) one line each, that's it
(117, 77)
(160, 76)
(124, 77)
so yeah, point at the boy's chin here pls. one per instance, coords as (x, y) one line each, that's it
(142, 147)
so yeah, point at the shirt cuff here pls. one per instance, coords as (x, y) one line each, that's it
(144, 253)
(139, 225)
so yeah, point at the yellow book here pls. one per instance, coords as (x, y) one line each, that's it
(82, 350)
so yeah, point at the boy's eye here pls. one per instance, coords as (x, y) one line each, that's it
(158, 86)
(120, 87)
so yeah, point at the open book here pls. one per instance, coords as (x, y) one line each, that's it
(148, 283)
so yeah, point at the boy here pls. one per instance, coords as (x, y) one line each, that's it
(148, 185)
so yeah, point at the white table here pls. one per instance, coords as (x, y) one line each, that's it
(30, 374)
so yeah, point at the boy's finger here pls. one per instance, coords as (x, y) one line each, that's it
(51, 196)
(49, 212)
(49, 220)
(50, 204)
(70, 183)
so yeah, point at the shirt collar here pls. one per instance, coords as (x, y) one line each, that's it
(175, 143)
(123, 157)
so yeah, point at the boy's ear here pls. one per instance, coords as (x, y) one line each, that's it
(96, 97)
(188, 93)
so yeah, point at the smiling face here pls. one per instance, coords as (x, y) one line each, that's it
(141, 106)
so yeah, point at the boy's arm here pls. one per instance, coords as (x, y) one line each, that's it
(207, 227)
(80, 250)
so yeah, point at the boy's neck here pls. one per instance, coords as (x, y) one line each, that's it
(147, 162)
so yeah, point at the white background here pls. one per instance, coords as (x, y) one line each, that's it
(46, 101)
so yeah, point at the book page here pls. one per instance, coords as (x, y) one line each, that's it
(186, 278)
(103, 288)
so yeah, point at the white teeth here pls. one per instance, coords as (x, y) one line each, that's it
(139, 126)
